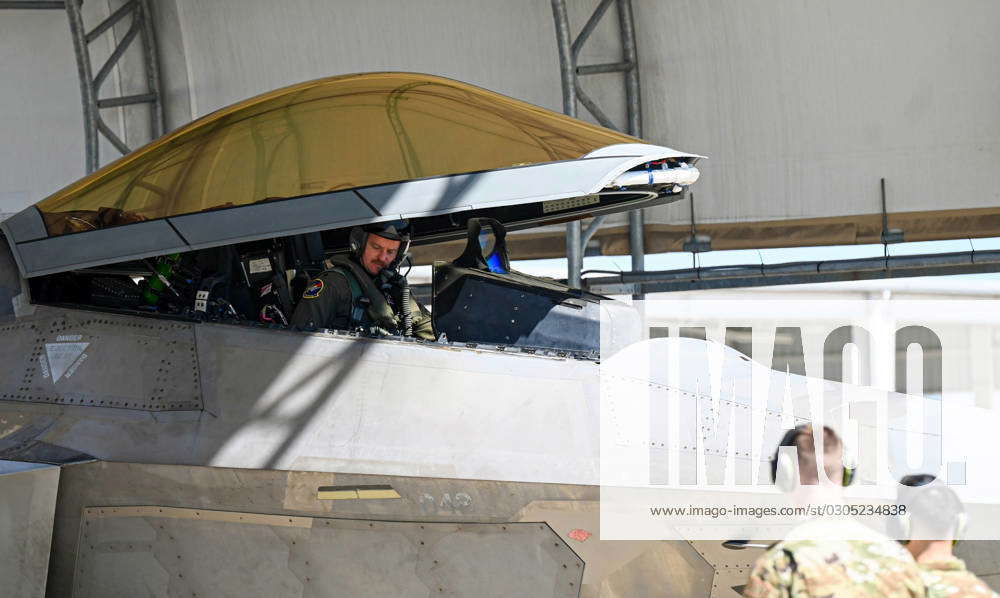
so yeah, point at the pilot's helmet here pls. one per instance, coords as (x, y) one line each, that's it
(396, 230)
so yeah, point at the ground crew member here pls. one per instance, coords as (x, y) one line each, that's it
(934, 520)
(365, 290)
(828, 556)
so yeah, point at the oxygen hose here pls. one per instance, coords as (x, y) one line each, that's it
(407, 313)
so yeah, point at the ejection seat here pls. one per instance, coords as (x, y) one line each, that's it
(477, 298)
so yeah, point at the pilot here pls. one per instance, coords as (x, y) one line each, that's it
(365, 290)
(934, 520)
(827, 556)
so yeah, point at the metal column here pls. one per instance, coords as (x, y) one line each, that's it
(141, 26)
(567, 66)
(633, 99)
(570, 73)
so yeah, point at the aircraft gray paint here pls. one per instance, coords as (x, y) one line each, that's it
(201, 458)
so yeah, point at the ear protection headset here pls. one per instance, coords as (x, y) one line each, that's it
(395, 230)
(783, 464)
(937, 495)
(904, 524)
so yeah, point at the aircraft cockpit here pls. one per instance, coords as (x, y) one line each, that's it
(229, 218)
(475, 298)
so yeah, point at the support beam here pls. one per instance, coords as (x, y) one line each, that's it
(126, 100)
(140, 27)
(571, 72)
(116, 55)
(593, 108)
(591, 229)
(152, 59)
(110, 136)
(633, 101)
(597, 69)
(88, 94)
(29, 5)
(566, 60)
(589, 27)
(109, 22)
(574, 253)
(754, 275)
(633, 98)
(637, 244)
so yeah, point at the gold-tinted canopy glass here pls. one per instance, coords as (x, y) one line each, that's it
(325, 135)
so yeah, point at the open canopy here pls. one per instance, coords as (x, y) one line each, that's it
(333, 153)
(335, 133)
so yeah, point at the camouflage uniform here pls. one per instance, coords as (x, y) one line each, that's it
(950, 578)
(862, 563)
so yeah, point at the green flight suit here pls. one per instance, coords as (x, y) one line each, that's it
(329, 302)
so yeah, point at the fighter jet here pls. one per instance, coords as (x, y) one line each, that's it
(166, 432)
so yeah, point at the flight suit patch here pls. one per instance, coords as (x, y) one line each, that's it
(314, 289)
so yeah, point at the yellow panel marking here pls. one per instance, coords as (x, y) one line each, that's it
(387, 493)
(337, 494)
(356, 492)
